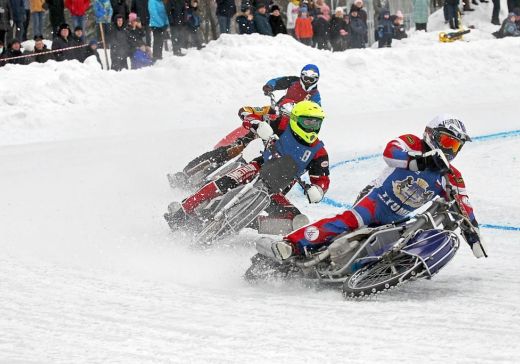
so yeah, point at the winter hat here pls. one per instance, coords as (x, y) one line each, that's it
(303, 9)
(274, 8)
(339, 9)
(63, 26)
(511, 14)
(132, 17)
(78, 28)
(92, 42)
(38, 37)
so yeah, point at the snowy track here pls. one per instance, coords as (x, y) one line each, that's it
(90, 273)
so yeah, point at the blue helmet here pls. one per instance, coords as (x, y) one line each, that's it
(309, 76)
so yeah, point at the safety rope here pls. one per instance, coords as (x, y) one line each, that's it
(42, 53)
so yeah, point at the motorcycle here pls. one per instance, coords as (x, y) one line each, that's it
(372, 260)
(205, 170)
(240, 207)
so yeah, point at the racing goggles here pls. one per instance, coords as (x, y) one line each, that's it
(309, 77)
(308, 123)
(447, 141)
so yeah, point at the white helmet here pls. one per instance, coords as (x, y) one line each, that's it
(446, 132)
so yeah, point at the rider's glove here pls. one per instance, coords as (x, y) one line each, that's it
(432, 160)
(314, 193)
(267, 89)
(264, 130)
(475, 242)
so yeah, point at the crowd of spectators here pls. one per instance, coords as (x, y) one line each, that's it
(137, 31)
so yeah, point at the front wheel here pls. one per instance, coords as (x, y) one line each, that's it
(382, 275)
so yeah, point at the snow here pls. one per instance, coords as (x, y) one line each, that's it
(89, 271)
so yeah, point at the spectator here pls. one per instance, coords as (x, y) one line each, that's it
(245, 22)
(358, 29)
(56, 15)
(18, 17)
(276, 21)
(119, 7)
(103, 12)
(40, 49)
(178, 27)
(158, 25)
(338, 31)
(63, 40)
(193, 20)
(135, 32)
(91, 50)
(452, 12)
(2, 48)
(78, 9)
(385, 30)
(78, 39)
(320, 26)
(466, 6)
(292, 14)
(399, 29)
(5, 19)
(119, 48)
(496, 12)
(14, 50)
(421, 10)
(26, 19)
(509, 27)
(140, 58)
(262, 25)
(303, 28)
(225, 11)
(37, 12)
(379, 7)
(140, 7)
(362, 14)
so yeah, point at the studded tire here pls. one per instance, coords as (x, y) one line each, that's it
(382, 276)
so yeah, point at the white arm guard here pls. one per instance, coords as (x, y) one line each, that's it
(264, 130)
(314, 194)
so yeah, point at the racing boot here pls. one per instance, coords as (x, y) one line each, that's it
(277, 250)
(175, 217)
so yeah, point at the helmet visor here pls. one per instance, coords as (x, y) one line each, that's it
(309, 123)
(449, 142)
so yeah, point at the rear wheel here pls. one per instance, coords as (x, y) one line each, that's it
(382, 275)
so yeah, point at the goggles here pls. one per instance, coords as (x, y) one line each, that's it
(447, 142)
(308, 123)
(309, 77)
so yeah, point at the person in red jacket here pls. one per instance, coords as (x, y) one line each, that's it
(303, 27)
(78, 9)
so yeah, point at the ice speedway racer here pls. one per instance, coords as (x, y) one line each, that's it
(227, 153)
(253, 195)
(379, 244)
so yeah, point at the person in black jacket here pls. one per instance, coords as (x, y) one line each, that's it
(62, 41)
(225, 11)
(5, 18)
(140, 7)
(358, 29)
(14, 50)
(77, 39)
(178, 24)
(245, 22)
(261, 22)
(92, 51)
(385, 30)
(56, 15)
(338, 31)
(40, 48)
(119, 49)
(276, 21)
(119, 7)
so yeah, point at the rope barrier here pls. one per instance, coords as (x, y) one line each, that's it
(42, 53)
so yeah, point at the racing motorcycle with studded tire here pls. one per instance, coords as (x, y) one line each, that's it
(372, 260)
(231, 152)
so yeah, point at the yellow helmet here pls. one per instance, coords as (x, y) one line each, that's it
(306, 119)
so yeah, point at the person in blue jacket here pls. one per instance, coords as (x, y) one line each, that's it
(158, 24)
